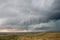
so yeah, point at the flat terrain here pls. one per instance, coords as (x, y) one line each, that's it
(31, 36)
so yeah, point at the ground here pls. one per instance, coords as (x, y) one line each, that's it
(31, 36)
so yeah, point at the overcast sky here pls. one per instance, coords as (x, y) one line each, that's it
(36, 15)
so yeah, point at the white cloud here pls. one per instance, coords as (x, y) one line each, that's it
(42, 4)
(2, 21)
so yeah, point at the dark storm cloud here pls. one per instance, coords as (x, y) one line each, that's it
(56, 11)
(30, 14)
(52, 25)
(55, 16)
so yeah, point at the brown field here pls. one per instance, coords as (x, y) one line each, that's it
(31, 36)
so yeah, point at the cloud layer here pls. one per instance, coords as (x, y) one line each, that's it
(36, 15)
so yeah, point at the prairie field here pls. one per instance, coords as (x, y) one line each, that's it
(30, 36)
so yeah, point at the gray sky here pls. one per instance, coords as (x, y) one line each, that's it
(36, 15)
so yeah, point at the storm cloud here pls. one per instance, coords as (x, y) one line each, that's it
(36, 15)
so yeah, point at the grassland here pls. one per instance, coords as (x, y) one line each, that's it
(31, 36)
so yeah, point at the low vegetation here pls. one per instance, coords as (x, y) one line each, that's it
(31, 36)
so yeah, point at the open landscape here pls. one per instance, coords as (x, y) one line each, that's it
(29, 19)
(30, 36)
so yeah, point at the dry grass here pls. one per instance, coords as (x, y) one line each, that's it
(31, 36)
